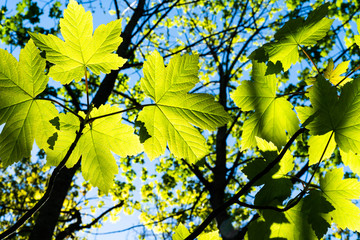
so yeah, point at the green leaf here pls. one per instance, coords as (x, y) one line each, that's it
(337, 114)
(68, 125)
(214, 235)
(357, 37)
(270, 152)
(295, 33)
(81, 49)
(333, 75)
(25, 117)
(170, 119)
(317, 146)
(339, 192)
(315, 206)
(271, 111)
(99, 140)
(352, 160)
(308, 219)
(181, 232)
(296, 227)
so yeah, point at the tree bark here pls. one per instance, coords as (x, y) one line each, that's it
(217, 195)
(49, 213)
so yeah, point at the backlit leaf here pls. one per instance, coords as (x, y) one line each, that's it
(99, 140)
(170, 119)
(26, 118)
(295, 33)
(273, 115)
(337, 114)
(339, 192)
(81, 50)
(333, 75)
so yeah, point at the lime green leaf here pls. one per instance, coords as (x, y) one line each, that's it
(352, 160)
(337, 114)
(99, 140)
(333, 75)
(339, 192)
(170, 119)
(68, 125)
(81, 49)
(296, 226)
(317, 146)
(294, 33)
(357, 37)
(304, 113)
(181, 232)
(210, 236)
(25, 117)
(271, 111)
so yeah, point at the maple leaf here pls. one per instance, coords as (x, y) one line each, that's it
(26, 118)
(339, 115)
(273, 115)
(95, 146)
(81, 49)
(170, 119)
(293, 34)
(333, 75)
(339, 192)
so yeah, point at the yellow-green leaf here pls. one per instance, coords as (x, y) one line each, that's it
(81, 50)
(26, 118)
(170, 119)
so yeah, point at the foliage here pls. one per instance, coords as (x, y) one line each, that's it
(272, 168)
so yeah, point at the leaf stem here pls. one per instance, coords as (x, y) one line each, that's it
(303, 192)
(308, 56)
(87, 91)
(63, 106)
(90, 120)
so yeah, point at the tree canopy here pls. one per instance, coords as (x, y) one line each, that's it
(220, 119)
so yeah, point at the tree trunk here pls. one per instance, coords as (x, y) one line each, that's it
(49, 213)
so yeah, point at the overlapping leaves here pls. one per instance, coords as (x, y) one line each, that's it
(81, 49)
(26, 118)
(273, 115)
(313, 215)
(170, 119)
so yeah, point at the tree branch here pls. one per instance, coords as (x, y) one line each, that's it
(245, 189)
